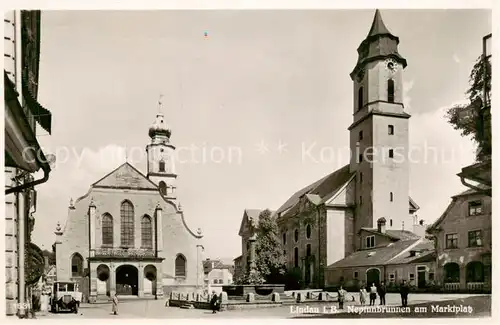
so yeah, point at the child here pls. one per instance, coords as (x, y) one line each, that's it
(362, 295)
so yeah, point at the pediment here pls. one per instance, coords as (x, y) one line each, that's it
(125, 177)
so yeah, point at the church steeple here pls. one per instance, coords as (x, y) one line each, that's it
(379, 44)
(161, 156)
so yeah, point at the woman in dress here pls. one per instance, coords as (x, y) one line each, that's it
(114, 304)
(362, 295)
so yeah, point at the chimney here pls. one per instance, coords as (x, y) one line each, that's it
(419, 229)
(381, 225)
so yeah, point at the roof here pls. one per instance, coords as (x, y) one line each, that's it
(252, 216)
(472, 191)
(402, 235)
(378, 26)
(426, 250)
(377, 256)
(450, 206)
(217, 264)
(322, 189)
(126, 176)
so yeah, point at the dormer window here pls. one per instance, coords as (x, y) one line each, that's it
(370, 241)
(161, 166)
(412, 253)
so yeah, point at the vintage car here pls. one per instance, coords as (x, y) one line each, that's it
(65, 296)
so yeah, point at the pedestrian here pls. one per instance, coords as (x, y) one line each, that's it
(214, 302)
(373, 294)
(114, 304)
(382, 290)
(44, 303)
(341, 294)
(362, 295)
(404, 290)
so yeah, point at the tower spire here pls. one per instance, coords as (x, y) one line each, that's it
(378, 26)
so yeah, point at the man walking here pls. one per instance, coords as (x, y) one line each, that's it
(382, 290)
(404, 289)
(114, 304)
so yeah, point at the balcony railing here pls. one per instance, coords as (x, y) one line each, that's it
(130, 253)
(452, 286)
(475, 286)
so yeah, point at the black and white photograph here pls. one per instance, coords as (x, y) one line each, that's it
(242, 163)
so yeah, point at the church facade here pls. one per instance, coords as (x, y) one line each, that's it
(128, 234)
(326, 221)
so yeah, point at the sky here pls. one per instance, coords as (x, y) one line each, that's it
(262, 100)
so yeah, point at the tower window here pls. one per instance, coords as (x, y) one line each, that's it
(391, 129)
(360, 137)
(161, 166)
(391, 196)
(391, 153)
(390, 91)
(390, 222)
(163, 188)
(360, 158)
(360, 98)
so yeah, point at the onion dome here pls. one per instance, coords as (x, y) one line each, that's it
(159, 128)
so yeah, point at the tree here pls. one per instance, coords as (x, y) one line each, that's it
(474, 118)
(269, 257)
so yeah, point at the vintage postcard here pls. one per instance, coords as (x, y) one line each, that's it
(213, 164)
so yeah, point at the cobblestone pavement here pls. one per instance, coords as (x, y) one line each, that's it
(157, 309)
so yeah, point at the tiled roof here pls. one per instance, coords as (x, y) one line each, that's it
(425, 252)
(377, 256)
(325, 187)
(395, 234)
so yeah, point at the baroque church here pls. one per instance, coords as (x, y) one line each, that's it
(127, 235)
(347, 210)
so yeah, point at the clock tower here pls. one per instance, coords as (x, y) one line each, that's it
(379, 132)
(161, 158)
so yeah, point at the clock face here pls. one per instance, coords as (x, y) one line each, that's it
(391, 65)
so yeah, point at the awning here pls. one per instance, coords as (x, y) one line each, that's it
(22, 149)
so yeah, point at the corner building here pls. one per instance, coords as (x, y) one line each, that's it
(128, 234)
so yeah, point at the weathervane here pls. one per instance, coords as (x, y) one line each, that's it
(160, 103)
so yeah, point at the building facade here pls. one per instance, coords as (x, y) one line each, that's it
(463, 236)
(217, 274)
(321, 223)
(23, 155)
(128, 234)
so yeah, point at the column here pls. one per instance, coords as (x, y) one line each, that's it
(140, 281)
(92, 225)
(112, 278)
(159, 230)
(159, 280)
(93, 283)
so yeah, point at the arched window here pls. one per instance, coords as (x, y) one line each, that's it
(76, 265)
(308, 231)
(146, 232)
(180, 265)
(127, 224)
(161, 166)
(360, 98)
(107, 230)
(296, 235)
(391, 196)
(390, 91)
(296, 257)
(163, 188)
(284, 238)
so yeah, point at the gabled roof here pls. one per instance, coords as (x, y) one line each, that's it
(125, 176)
(249, 216)
(325, 187)
(377, 256)
(394, 234)
(450, 206)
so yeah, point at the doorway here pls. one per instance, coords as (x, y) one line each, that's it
(421, 270)
(127, 280)
(372, 276)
